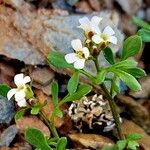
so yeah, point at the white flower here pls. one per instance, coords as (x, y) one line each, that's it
(88, 25)
(20, 91)
(80, 56)
(107, 36)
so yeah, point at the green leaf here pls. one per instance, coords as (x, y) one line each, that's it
(61, 145)
(114, 147)
(35, 110)
(134, 136)
(57, 59)
(108, 54)
(29, 92)
(73, 83)
(4, 90)
(129, 63)
(136, 72)
(58, 112)
(101, 76)
(36, 138)
(20, 114)
(132, 145)
(131, 46)
(141, 23)
(128, 79)
(145, 35)
(116, 86)
(54, 91)
(122, 144)
(81, 92)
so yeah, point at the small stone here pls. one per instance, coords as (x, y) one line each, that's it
(8, 135)
(148, 14)
(130, 6)
(14, 3)
(90, 141)
(83, 6)
(6, 110)
(95, 4)
(43, 76)
(32, 122)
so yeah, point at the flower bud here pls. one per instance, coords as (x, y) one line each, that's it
(90, 34)
(95, 51)
(31, 101)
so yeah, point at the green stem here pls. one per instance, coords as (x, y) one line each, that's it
(51, 125)
(114, 111)
(111, 103)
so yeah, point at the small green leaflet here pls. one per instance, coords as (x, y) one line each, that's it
(54, 91)
(4, 90)
(101, 76)
(81, 91)
(136, 72)
(108, 54)
(36, 138)
(122, 144)
(128, 79)
(20, 114)
(145, 35)
(57, 59)
(134, 136)
(35, 110)
(132, 145)
(61, 145)
(131, 46)
(128, 63)
(141, 23)
(73, 83)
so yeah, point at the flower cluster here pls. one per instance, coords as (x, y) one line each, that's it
(95, 39)
(20, 93)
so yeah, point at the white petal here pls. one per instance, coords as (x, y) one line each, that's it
(76, 44)
(84, 20)
(97, 39)
(85, 27)
(86, 52)
(96, 20)
(11, 93)
(26, 79)
(79, 64)
(20, 95)
(112, 39)
(71, 58)
(109, 31)
(22, 103)
(18, 79)
(96, 29)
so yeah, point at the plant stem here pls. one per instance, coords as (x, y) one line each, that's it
(50, 125)
(112, 104)
(114, 111)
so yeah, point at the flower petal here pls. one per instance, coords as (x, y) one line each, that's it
(109, 31)
(112, 39)
(96, 20)
(96, 29)
(11, 93)
(22, 103)
(86, 52)
(20, 95)
(79, 64)
(71, 58)
(18, 79)
(97, 39)
(26, 79)
(84, 20)
(76, 44)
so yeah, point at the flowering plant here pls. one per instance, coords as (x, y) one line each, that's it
(97, 42)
